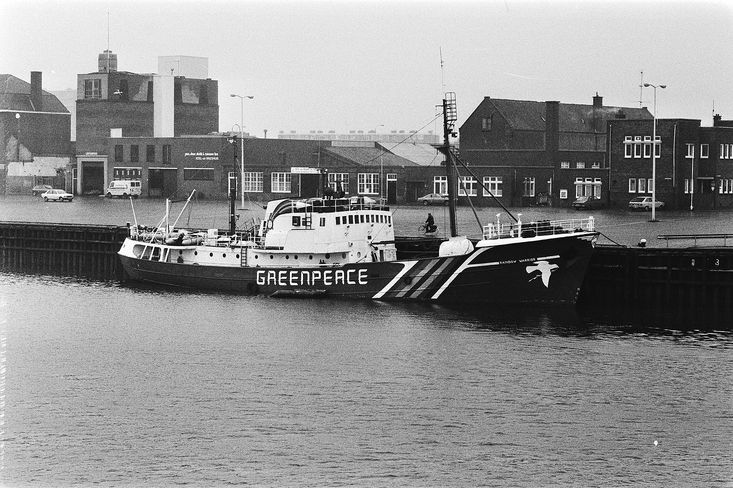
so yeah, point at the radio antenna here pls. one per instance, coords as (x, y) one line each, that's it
(641, 90)
(442, 76)
(107, 41)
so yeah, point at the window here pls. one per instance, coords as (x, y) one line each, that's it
(93, 88)
(150, 153)
(528, 190)
(198, 174)
(122, 173)
(563, 194)
(726, 151)
(118, 153)
(658, 147)
(166, 154)
(647, 146)
(637, 146)
(336, 180)
(688, 186)
(252, 182)
(596, 165)
(486, 123)
(368, 183)
(628, 146)
(632, 185)
(123, 90)
(579, 188)
(493, 183)
(641, 185)
(580, 165)
(725, 186)
(204, 95)
(565, 164)
(135, 153)
(597, 184)
(440, 185)
(467, 186)
(704, 151)
(690, 150)
(280, 182)
(649, 185)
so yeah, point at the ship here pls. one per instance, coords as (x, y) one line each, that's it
(333, 246)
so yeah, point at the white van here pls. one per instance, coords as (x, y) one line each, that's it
(124, 188)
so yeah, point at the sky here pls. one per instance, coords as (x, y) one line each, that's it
(385, 65)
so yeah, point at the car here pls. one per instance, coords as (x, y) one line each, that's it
(55, 195)
(644, 203)
(433, 199)
(38, 189)
(585, 203)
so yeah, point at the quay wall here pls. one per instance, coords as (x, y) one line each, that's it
(697, 280)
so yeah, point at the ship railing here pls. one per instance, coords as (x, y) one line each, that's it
(695, 237)
(499, 230)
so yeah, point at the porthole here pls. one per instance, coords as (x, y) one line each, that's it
(195, 253)
(328, 256)
(224, 255)
(343, 255)
(180, 252)
(310, 257)
(257, 256)
(272, 257)
(287, 257)
(295, 257)
(236, 256)
(211, 254)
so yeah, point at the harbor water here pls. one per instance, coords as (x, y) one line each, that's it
(109, 384)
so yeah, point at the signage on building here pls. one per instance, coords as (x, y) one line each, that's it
(304, 170)
(202, 156)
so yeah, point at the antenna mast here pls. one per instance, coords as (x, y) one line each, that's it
(641, 90)
(107, 41)
(442, 76)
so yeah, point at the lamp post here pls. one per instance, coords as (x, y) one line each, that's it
(381, 162)
(241, 136)
(17, 118)
(654, 152)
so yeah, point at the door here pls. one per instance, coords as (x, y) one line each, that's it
(391, 188)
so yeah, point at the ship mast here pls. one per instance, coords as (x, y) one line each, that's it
(449, 120)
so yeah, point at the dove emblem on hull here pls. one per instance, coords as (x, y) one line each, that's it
(543, 270)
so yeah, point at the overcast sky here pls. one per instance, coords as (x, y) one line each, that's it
(347, 65)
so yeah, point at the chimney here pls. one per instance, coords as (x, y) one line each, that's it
(36, 91)
(552, 131)
(597, 101)
(716, 120)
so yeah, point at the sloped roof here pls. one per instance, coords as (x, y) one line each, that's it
(15, 94)
(530, 115)
(369, 156)
(420, 154)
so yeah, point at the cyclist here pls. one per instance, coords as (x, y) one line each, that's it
(430, 224)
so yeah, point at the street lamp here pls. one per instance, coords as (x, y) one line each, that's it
(654, 151)
(381, 162)
(241, 135)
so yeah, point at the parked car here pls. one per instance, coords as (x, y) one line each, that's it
(644, 203)
(433, 199)
(585, 203)
(38, 189)
(55, 195)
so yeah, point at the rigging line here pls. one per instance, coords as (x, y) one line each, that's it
(451, 154)
(470, 202)
(403, 140)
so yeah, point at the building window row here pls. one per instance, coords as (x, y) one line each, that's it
(726, 151)
(124, 173)
(493, 184)
(588, 187)
(725, 186)
(641, 185)
(280, 182)
(93, 88)
(119, 156)
(368, 183)
(580, 165)
(339, 181)
(641, 147)
(252, 182)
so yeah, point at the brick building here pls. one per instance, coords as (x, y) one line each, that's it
(530, 152)
(273, 168)
(694, 164)
(121, 103)
(35, 133)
